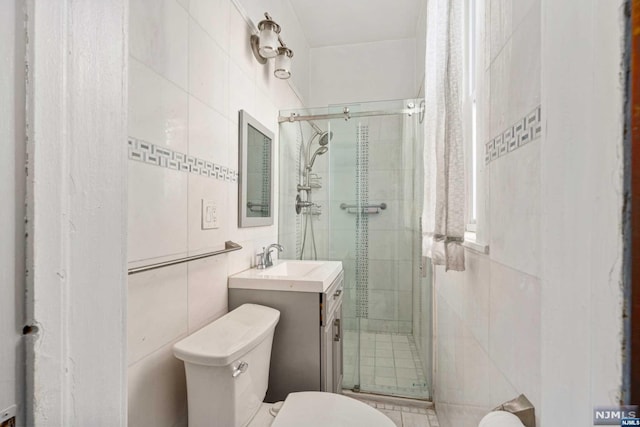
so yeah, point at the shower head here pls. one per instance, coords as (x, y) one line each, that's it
(319, 152)
(325, 137)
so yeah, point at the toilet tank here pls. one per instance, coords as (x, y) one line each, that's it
(227, 366)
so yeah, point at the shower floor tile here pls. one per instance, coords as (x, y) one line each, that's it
(389, 364)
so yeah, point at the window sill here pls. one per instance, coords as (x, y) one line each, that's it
(471, 243)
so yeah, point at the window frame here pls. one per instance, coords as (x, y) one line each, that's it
(470, 113)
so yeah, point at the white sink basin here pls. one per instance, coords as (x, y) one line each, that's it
(289, 275)
(289, 269)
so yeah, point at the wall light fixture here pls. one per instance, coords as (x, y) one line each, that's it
(268, 44)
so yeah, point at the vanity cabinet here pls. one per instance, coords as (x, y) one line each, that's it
(307, 344)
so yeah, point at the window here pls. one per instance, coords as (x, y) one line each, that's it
(470, 113)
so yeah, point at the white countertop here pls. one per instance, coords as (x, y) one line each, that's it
(317, 279)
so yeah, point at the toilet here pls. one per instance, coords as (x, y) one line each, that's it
(227, 369)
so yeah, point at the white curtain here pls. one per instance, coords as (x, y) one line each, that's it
(443, 216)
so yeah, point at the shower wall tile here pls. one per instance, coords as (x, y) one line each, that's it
(404, 303)
(382, 305)
(341, 218)
(158, 109)
(158, 33)
(385, 156)
(386, 186)
(383, 275)
(387, 130)
(390, 218)
(405, 275)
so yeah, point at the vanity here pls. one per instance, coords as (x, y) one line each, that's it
(307, 345)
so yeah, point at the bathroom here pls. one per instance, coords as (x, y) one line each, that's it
(538, 309)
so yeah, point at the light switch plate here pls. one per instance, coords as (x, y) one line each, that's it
(209, 215)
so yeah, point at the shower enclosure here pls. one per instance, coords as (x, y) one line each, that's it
(351, 190)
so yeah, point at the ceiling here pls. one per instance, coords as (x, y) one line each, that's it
(338, 22)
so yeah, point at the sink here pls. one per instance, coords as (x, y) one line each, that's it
(289, 275)
(289, 269)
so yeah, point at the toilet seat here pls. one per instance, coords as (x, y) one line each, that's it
(321, 409)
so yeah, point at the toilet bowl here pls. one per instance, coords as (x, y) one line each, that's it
(227, 369)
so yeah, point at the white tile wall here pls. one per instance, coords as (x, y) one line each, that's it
(191, 70)
(208, 133)
(157, 391)
(157, 310)
(487, 334)
(157, 108)
(207, 298)
(213, 17)
(207, 59)
(158, 37)
(157, 212)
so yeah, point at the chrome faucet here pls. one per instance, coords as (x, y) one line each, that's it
(264, 259)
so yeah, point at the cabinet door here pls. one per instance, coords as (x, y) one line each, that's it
(338, 372)
(327, 372)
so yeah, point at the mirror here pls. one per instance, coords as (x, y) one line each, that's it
(255, 198)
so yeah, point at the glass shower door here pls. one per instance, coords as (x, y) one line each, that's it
(374, 201)
(363, 189)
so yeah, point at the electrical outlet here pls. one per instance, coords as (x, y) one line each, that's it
(8, 417)
(209, 215)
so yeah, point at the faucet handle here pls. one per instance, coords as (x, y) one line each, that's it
(261, 259)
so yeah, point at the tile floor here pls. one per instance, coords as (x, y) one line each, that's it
(403, 415)
(389, 364)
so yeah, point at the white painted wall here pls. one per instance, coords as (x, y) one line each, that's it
(421, 49)
(581, 174)
(191, 70)
(12, 212)
(363, 72)
(76, 213)
(541, 315)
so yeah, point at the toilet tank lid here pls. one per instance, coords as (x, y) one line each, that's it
(228, 338)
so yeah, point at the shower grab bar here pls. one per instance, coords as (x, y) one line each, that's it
(363, 209)
(229, 246)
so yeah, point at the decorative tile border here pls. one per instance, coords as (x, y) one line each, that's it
(149, 153)
(521, 133)
(362, 222)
